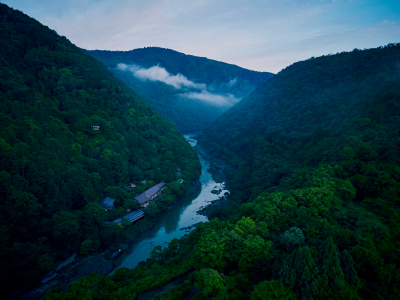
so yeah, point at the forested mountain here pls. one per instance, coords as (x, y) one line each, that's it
(319, 143)
(314, 206)
(309, 114)
(54, 168)
(189, 91)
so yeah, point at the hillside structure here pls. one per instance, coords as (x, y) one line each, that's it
(132, 217)
(150, 194)
(107, 203)
(143, 200)
(156, 190)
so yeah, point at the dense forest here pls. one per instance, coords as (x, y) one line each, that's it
(54, 168)
(314, 206)
(220, 81)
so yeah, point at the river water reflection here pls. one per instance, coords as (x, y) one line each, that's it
(182, 214)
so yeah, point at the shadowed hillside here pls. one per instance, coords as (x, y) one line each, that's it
(308, 113)
(54, 167)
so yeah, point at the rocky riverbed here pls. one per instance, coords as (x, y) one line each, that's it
(218, 171)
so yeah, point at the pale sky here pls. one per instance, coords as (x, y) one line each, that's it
(261, 35)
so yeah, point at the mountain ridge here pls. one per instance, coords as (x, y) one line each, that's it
(71, 133)
(190, 109)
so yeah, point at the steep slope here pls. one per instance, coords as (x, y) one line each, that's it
(308, 112)
(54, 168)
(189, 91)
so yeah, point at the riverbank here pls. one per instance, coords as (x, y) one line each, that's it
(175, 223)
(80, 266)
(218, 170)
(200, 200)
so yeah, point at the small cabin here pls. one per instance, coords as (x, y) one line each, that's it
(107, 203)
(180, 180)
(96, 126)
(131, 185)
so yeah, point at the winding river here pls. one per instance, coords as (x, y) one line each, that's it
(182, 214)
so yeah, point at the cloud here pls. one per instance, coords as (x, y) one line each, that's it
(387, 22)
(232, 82)
(157, 73)
(215, 99)
(179, 81)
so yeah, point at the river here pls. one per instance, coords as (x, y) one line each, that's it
(182, 214)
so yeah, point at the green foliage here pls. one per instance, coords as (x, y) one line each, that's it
(331, 272)
(211, 283)
(300, 273)
(66, 229)
(235, 244)
(347, 265)
(292, 238)
(273, 289)
(211, 250)
(176, 293)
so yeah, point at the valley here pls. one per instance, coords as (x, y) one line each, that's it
(189, 91)
(290, 188)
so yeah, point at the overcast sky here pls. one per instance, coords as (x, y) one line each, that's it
(262, 35)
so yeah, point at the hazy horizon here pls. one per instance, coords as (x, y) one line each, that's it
(261, 35)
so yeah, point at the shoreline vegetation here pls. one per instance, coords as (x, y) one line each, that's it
(100, 263)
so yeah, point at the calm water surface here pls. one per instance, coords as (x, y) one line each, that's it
(182, 214)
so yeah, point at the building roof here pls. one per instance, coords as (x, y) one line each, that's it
(96, 124)
(180, 180)
(131, 216)
(142, 198)
(154, 189)
(107, 202)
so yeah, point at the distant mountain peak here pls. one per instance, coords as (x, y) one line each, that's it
(188, 90)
